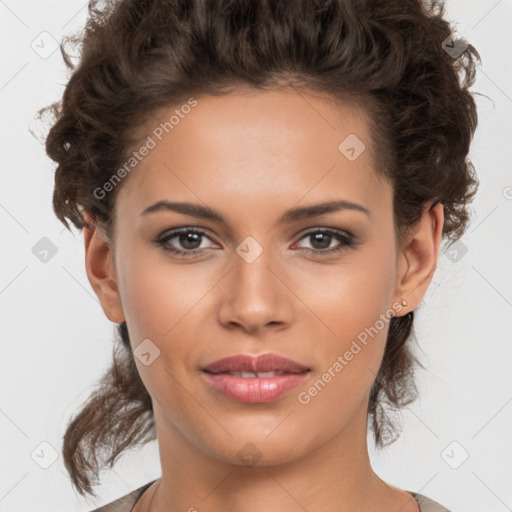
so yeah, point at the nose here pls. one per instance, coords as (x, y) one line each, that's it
(255, 294)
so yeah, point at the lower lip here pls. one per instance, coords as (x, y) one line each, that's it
(255, 389)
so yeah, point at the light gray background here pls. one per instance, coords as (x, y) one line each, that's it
(56, 341)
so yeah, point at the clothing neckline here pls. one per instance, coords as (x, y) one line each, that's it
(141, 490)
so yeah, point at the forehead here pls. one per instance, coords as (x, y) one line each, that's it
(266, 146)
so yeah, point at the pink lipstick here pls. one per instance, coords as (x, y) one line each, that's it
(250, 379)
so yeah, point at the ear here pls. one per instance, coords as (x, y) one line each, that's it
(100, 270)
(418, 257)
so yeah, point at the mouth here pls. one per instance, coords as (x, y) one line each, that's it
(250, 379)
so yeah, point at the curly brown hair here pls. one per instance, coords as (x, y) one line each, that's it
(388, 57)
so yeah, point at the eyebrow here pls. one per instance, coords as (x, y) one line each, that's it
(292, 215)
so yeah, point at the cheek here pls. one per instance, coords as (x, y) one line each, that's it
(349, 297)
(354, 308)
(348, 361)
(162, 301)
(157, 295)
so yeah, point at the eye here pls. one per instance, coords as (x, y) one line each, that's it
(190, 239)
(322, 238)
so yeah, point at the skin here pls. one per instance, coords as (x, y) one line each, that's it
(252, 156)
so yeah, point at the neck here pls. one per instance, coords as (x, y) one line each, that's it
(333, 477)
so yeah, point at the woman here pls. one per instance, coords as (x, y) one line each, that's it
(264, 188)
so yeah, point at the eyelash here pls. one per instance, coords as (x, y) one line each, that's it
(347, 241)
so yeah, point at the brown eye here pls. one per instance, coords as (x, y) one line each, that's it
(322, 239)
(188, 239)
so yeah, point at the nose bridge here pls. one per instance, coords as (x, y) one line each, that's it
(252, 274)
(255, 295)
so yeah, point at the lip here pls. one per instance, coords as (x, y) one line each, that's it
(247, 363)
(255, 389)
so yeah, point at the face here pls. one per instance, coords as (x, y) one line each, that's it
(310, 288)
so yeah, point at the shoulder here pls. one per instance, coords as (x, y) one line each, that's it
(428, 505)
(124, 503)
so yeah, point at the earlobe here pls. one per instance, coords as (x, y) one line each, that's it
(419, 257)
(100, 271)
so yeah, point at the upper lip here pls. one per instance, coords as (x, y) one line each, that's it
(247, 363)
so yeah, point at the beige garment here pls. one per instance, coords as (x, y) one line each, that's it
(127, 502)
